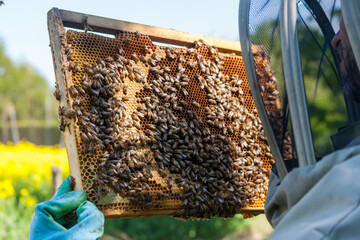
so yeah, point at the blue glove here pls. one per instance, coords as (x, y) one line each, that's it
(48, 221)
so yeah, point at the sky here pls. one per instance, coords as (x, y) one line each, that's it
(23, 23)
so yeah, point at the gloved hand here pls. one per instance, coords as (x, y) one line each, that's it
(48, 221)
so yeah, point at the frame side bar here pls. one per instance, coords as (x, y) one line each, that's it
(157, 34)
(63, 77)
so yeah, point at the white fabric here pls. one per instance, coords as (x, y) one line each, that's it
(320, 201)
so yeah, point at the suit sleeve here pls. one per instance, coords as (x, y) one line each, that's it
(320, 201)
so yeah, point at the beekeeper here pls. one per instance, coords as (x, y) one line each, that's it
(322, 201)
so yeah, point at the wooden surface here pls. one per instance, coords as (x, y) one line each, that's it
(156, 34)
(114, 213)
(63, 79)
(56, 173)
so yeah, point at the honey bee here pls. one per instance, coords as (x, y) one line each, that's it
(184, 92)
(212, 101)
(63, 41)
(71, 66)
(180, 69)
(126, 40)
(80, 90)
(120, 51)
(170, 183)
(202, 67)
(145, 49)
(125, 88)
(152, 62)
(62, 126)
(192, 63)
(77, 67)
(134, 57)
(57, 92)
(67, 48)
(198, 44)
(196, 104)
(190, 51)
(69, 113)
(73, 92)
(212, 51)
(89, 71)
(170, 53)
(84, 136)
(86, 64)
(69, 55)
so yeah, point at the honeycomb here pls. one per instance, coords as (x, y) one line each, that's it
(122, 146)
(273, 106)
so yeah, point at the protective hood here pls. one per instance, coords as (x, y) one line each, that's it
(302, 104)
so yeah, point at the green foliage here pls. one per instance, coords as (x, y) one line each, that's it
(169, 228)
(23, 86)
(15, 219)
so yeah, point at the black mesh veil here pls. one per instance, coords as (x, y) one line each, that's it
(326, 106)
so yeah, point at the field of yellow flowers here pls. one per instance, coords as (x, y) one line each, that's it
(25, 180)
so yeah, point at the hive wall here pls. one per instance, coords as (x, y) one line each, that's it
(250, 168)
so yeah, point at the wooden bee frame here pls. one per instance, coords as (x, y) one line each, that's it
(57, 21)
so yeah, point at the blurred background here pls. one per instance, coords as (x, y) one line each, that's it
(30, 140)
(31, 144)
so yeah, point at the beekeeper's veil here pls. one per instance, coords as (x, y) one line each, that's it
(294, 73)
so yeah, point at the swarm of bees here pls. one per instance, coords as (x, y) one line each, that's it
(187, 140)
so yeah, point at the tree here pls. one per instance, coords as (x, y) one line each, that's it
(21, 85)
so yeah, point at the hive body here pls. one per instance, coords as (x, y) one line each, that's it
(164, 131)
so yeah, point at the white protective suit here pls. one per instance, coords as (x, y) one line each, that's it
(320, 201)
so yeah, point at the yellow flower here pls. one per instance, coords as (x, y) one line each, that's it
(28, 201)
(6, 189)
(24, 192)
(29, 168)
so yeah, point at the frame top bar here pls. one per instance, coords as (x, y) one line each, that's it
(156, 34)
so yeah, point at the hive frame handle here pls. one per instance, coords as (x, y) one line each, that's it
(63, 80)
(169, 36)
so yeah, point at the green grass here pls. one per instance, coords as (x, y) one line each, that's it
(152, 228)
(15, 221)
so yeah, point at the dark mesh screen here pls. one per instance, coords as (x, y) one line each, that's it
(326, 105)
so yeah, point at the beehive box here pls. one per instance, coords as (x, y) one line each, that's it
(155, 130)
